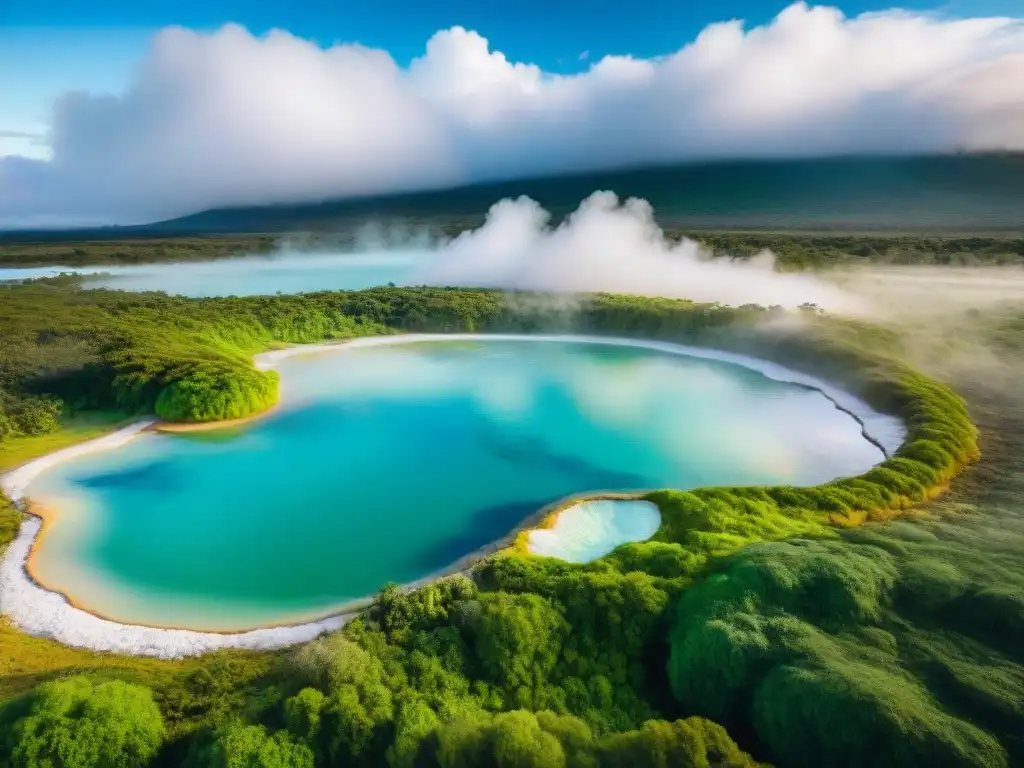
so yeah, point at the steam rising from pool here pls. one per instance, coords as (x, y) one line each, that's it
(605, 246)
(615, 247)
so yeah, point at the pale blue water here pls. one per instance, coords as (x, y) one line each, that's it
(251, 276)
(389, 463)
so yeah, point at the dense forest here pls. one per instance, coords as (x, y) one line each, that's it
(792, 251)
(758, 625)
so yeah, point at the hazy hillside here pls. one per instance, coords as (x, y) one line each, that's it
(955, 193)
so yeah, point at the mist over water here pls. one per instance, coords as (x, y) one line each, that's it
(606, 245)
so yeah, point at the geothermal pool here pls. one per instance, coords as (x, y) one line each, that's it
(389, 462)
(250, 276)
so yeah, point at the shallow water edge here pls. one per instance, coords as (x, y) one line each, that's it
(42, 612)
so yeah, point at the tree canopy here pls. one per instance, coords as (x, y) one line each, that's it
(77, 723)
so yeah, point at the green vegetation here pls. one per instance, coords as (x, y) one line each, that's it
(777, 618)
(72, 428)
(758, 621)
(214, 394)
(10, 520)
(793, 251)
(67, 350)
(76, 724)
(131, 251)
(895, 641)
(244, 745)
(801, 251)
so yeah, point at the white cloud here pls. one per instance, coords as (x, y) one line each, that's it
(228, 118)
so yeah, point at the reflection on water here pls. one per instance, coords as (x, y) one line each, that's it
(387, 463)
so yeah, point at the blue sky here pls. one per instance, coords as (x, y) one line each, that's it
(541, 31)
(47, 48)
(233, 119)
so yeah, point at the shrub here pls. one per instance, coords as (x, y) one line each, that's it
(218, 394)
(76, 723)
(690, 743)
(786, 640)
(252, 746)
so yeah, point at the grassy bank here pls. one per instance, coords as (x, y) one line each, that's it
(71, 430)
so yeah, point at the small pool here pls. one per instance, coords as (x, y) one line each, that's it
(388, 462)
(590, 529)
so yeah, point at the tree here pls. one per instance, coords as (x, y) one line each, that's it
(251, 746)
(517, 639)
(76, 723)
(510, 740)
(303, 712)
(416, 722)
(690, 743)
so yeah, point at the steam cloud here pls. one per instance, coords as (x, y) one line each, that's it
(605, 246)
(227, 118)
(610, 247)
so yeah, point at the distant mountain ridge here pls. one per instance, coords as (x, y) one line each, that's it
(963, 193)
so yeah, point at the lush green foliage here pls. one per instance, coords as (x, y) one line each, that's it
(809, 644)
(896, 644)
(63, 348)
(249, 746)
(10, 521)
(798, 251)
(76, 724)
(209, 394)
(692, 743)
(130, 250)
(453, 676)
(27, 415)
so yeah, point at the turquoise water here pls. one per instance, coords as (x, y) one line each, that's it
(388, 463)
(246, 277)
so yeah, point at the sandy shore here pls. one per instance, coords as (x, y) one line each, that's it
(14, 482)
(43, 613)
(47, 522)
(173, 427)
(48, 613)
